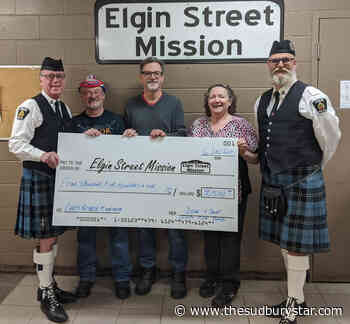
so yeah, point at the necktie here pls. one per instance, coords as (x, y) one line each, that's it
(58, 112)
(275, 105)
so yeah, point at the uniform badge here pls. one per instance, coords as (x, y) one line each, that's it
(320, 105)
(22, 113)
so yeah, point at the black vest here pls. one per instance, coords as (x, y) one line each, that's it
(287, 139)
(46, 135)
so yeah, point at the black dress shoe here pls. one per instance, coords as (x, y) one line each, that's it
(287, 321)
(84, 289)
(122, 289)
(277, 310)
(63, 297)
(223, 298)
(146, 280)
(289, 316)
(208, 288)
(51, 307)
(178, 285)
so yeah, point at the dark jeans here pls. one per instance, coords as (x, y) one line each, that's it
(119, 251)
(222, 252)
(178, 251)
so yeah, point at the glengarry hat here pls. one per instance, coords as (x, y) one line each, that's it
(284, 46)
(52, 64)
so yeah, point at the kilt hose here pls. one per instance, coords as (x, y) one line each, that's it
(35, 206)
(304, 228)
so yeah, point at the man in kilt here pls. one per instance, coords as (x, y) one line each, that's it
(34, 140)
(298, 134)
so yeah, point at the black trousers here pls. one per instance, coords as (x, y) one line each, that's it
(222, 252)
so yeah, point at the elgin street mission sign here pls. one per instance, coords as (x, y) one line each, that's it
(187, 31)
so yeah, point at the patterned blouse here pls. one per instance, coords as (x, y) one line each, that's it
(238, 127)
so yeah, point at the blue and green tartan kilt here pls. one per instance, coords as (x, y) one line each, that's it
(304, 228)
(35, 206)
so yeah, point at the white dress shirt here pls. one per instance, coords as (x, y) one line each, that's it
(23, 130)
(325, 124)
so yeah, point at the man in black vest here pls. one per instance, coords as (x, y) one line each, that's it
(34, 141)
(298, 134)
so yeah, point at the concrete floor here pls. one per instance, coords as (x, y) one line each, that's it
(18, 304)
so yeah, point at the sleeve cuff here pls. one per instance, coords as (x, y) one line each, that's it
(36, 154)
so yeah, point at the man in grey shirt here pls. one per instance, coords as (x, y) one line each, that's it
(157, 114)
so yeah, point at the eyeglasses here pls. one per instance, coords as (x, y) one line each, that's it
(284, 60)
(150, 73)
(52, 76)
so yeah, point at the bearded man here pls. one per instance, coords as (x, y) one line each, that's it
(94, 121)
(298, 134)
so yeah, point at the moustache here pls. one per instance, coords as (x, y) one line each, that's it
(280, 70)
(93, 102)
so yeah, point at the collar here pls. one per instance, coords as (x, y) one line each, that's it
(150, 103)
(284, 90)
(49, 99)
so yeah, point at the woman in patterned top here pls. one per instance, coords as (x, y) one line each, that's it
(222, 249)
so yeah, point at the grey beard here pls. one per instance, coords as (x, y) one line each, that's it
(282, 80)
(153, 86)
(94, 105)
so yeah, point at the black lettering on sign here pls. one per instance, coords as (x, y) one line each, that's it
(110, 17)
(139, 19)
(187, 13)
(162, 47)
(252, 15)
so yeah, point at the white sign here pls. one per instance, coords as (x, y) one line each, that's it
(187, 31)
(174, 182)
(344, 94)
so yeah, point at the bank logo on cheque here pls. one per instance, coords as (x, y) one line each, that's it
(195, 166)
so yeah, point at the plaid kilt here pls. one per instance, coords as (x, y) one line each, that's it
(35, 206)
(304, 228)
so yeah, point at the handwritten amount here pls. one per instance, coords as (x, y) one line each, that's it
(113, 185)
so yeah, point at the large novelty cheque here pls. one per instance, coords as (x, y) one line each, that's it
(171, 182)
